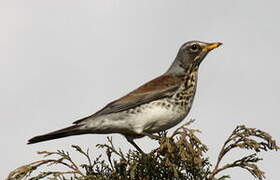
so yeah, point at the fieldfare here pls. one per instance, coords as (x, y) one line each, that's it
(153, 107)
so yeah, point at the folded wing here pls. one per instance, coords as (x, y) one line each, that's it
(163, 86)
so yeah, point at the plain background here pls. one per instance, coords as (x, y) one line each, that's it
(61, 60)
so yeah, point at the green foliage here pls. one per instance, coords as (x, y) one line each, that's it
(181, 156)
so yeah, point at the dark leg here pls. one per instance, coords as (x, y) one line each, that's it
(130, 140)
(151, 136)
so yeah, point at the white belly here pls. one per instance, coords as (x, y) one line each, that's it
(150, 118)
(156, 118)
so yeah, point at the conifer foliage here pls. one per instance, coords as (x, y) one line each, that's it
(180, 156)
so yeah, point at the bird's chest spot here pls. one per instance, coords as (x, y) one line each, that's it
(185, 94)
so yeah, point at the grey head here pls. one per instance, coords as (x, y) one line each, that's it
(190, 55)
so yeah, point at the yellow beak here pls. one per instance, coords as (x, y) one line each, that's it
(212, 46)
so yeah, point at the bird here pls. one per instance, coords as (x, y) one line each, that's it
(156, 106)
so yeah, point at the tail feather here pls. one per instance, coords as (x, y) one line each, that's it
(69, 131)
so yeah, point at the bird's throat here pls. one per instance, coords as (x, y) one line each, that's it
(185, 94)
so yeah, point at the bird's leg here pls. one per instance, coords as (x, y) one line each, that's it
(130, 140)
(151, 136)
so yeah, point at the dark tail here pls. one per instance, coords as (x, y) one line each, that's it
(69, 131)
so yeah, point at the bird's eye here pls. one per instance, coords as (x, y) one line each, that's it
(194, 47)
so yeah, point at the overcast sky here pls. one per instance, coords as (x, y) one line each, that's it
(61, 60)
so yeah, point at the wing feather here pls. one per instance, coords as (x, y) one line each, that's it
(163, 86)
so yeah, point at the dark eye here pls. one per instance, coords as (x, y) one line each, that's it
(194, 47)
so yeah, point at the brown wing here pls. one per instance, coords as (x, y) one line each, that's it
(163, 86)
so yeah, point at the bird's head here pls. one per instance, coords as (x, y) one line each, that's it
(190, 55)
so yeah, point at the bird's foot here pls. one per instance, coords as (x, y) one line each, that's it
(152, 136)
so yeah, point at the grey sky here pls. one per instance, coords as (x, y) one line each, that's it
(62, 60)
